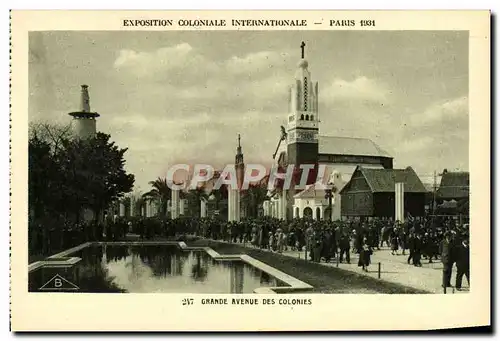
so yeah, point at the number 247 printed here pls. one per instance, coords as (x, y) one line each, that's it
(187, 301)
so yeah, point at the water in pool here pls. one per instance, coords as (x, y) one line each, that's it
(154, 269)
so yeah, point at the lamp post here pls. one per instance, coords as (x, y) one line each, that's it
(329, 193)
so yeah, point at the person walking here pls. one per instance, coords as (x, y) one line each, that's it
(447, 258)
(344, 248)
(394, 242)
(463, 263)
(411, 245)
(365, 255)
(417, 250)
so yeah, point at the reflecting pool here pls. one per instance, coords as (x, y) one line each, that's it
(150, 269)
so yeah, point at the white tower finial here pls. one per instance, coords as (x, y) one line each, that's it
(85, 105)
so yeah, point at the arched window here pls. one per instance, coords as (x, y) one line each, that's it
(302, 117)
(312, 117)
(318, 213)
(297, 212)
(307, 117)
(308, 212)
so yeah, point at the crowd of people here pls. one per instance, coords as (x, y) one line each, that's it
(323, 241)
(429, 239)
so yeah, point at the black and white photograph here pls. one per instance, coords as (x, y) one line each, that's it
(277, 163)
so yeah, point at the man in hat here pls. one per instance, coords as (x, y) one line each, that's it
(317, 246)
(345, 246)
(417, 250)
(463, 262)
(309, 239)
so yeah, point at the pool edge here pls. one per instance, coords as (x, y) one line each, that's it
(293, 284)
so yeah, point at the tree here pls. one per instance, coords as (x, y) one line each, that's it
(194, 197)
(254, 197)
(55, 135)
(68, 174)
(42, 182)
(162, 192)
(138, 205)
(45, 146)
(94, 173)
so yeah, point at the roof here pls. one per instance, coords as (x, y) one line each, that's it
(454, 185)
(311, 192)
(348, 170)
(84, 114)
(428, 186)
(384, 180)
(337, 145)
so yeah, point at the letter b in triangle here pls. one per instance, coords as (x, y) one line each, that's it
(58, 283)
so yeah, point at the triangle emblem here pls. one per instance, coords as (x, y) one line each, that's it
(59, 283)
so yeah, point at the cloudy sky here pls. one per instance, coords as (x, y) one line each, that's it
(175, 97)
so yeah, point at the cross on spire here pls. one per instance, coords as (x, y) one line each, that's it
(302, 47)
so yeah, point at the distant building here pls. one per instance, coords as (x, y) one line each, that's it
(453, 186)
(371, 193)
(452, 195)
(313, 201)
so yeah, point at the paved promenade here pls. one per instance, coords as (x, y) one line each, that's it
(394, 268)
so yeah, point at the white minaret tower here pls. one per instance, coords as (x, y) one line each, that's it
(84, 121)
(303, 120)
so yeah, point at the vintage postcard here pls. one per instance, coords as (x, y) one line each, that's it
(250, 171)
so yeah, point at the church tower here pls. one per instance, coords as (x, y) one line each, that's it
(303, 120)
(84, 121)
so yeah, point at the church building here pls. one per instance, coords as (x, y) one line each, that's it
(306, 144)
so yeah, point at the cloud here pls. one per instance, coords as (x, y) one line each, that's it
(415, 144)
(181, 80)
(177, 94)
(265, 62)
(435, 138)
(181, 56)
(453, 111)
(361, 88)
(188, 61)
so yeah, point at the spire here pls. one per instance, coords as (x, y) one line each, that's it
(239, 153)
(303, 64)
